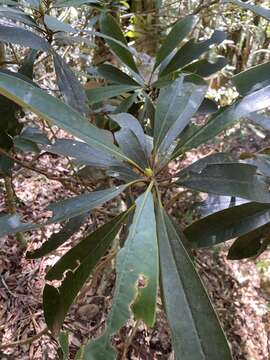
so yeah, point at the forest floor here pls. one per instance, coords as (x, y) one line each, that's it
(240, 290)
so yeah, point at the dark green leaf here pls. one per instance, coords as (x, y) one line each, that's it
(18, 15)
(178, 33)
(191, 51)
(252, 79)
(49, 108)
(24, 38)
(191, 317)
(233, 179)
(115, 75)
(76, 3)
(175, 107)
(251, 244)
(137, 260)
(87, 254)
(57, 239)
(100, 94)
(66, 209)
(204, 68)
(226, 117)
(110, 27)
(70, 86)
(64, 344)
(228, 224)
(207, 107)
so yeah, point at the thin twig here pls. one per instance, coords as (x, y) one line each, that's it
(25, 341)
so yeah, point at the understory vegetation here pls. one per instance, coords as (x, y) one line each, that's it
(134, 121)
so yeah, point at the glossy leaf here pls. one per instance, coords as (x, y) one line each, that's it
(204, 68)
(49, 108)
(100, 94)
(69, 85)
(175, 107)
(259, 119)
(11, 224)
(81, 152)
(57, 301)
(75, 3)
(252, 79)
(110, 28)
(228, 224)
(191, 51)
(22, 37)
(136, 261)
(59, 238)
(77, 205)
(55, 24)
(227, 117)
(191, 317)
(256, 9)
(178, 33)
(233, 179)
(115, 75)
(251, 244)
(17, 16)
(207, 107)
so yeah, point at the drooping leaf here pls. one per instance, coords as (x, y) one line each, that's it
(228, 224)
(233, 179)
(23, 37)
(191, 51)
(227, 117)
(57, 301)
(204, 68)
(18, 15)
(81, 204)
(115, 75)
(252, 79)
(175, 107)
(103, 93)
(256, 9)
(49, 108)
(11, 224)
(110, 27)
(137, 262)
(191, 317)
(259, 119)
(81, 152)
(55, 24)
(178, 33)
(58, 239)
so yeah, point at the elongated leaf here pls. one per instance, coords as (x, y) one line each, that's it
(66, 209)
(191, 51)
(63, 340)
(69, 85)
(262, 161)
(259, 119)
(231, 179)
(136, 261)
(87, 253)
(178, 33)
(75, 3)
(83, 153)
(107, 92)
(175, 107)
(57, 239)
(18, 15)
(251, 244)
(228, 224)
(24, 38)
(115, 75)
(256, 9)
(50, 108)
(11, 224)
(252, 79)
(56, 25)
(199, 165)
(110, 28)
(204, 68)
(192, 319)
(207, 107)
(227, 117)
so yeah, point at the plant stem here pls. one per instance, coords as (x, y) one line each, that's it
(11, 205)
